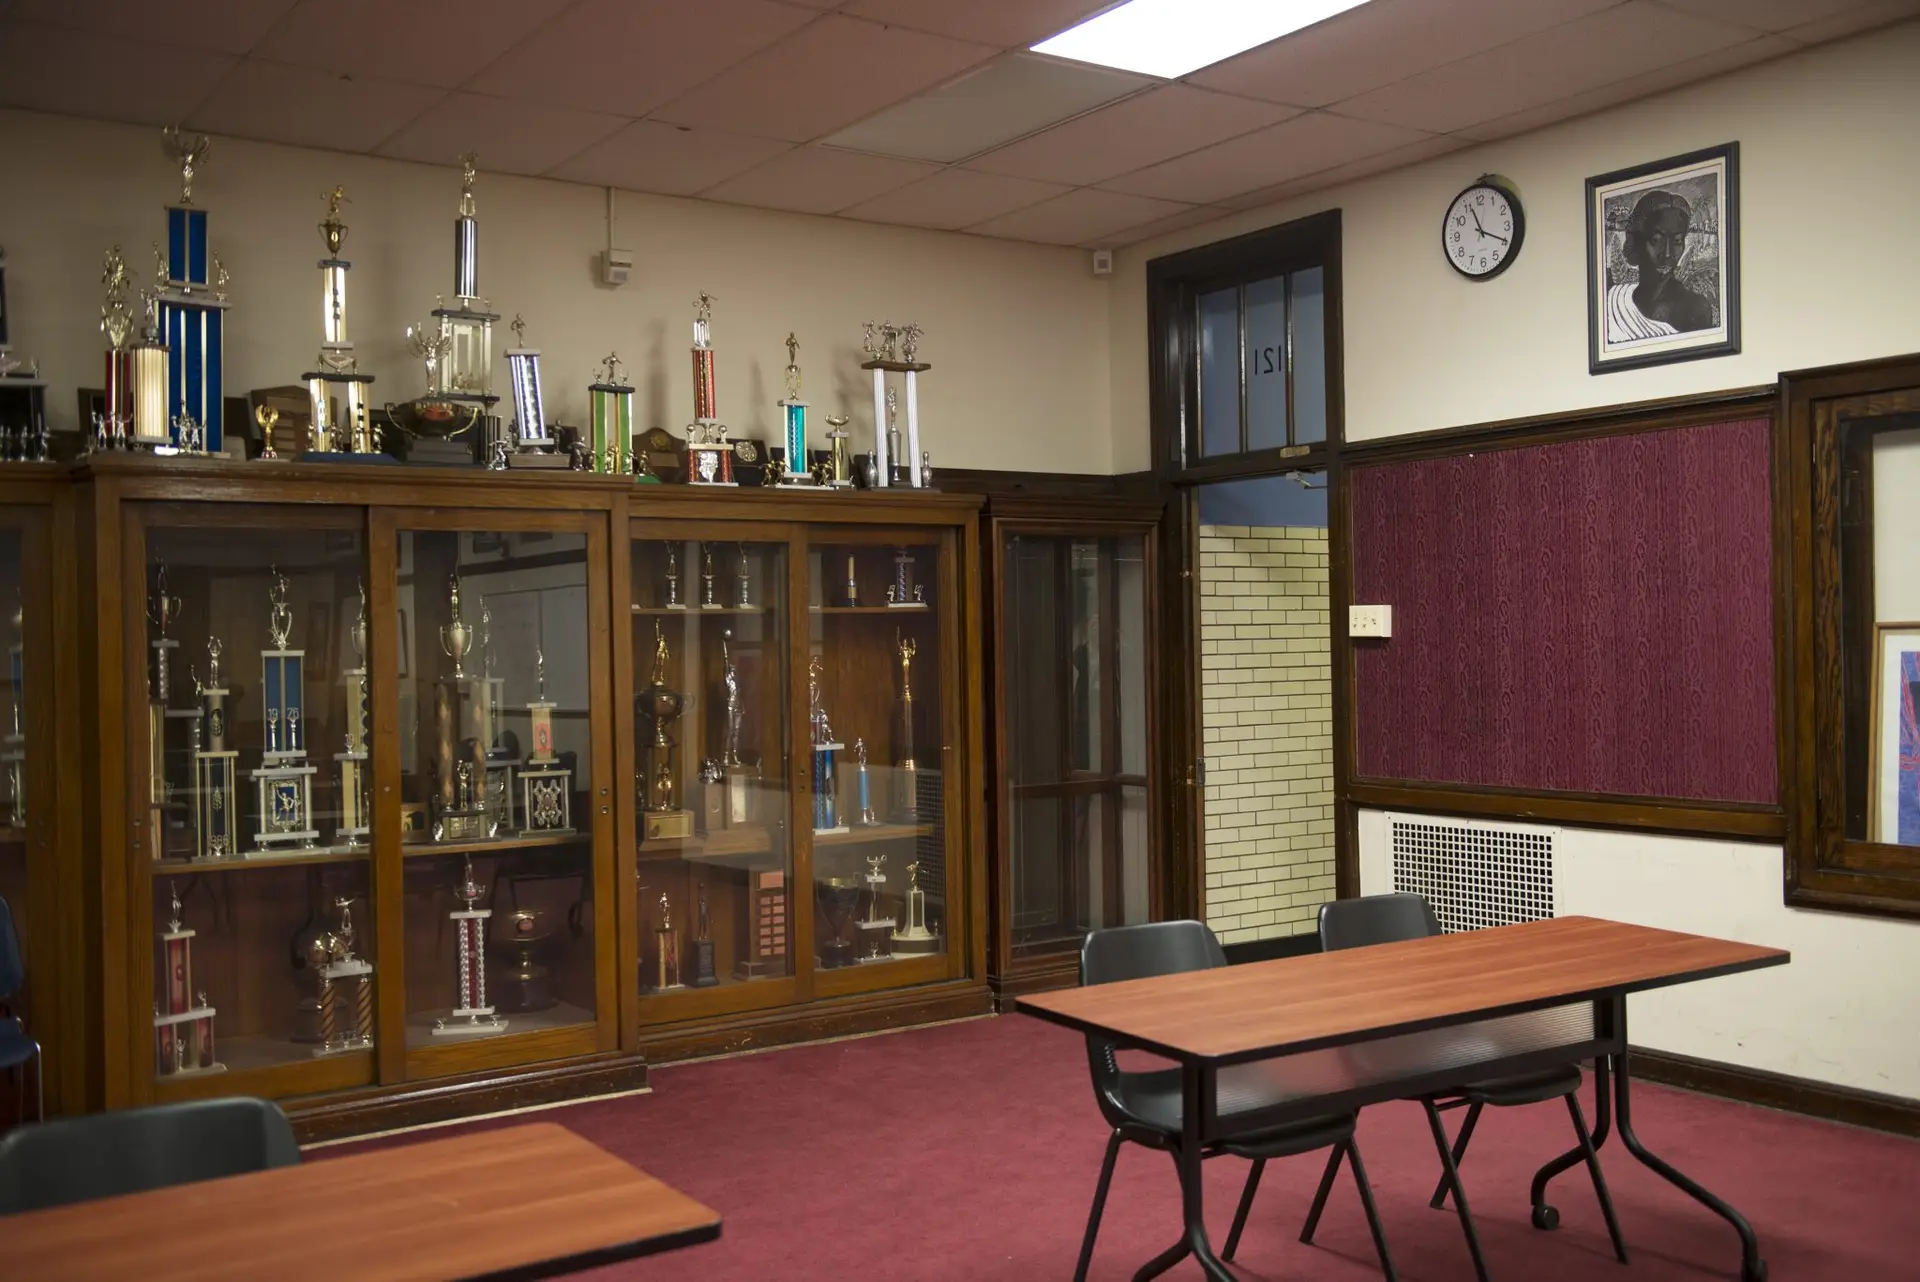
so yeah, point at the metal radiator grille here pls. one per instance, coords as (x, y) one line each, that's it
(1475, 876)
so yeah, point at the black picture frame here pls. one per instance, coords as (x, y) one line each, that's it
(1703, 188)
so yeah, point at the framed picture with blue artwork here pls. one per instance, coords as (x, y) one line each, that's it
(1896, 734)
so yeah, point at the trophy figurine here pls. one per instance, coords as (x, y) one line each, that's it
(183, 1032)
(660, 705)
(284, 781)
(865, 818)
(913, 935)
(709, 457)
(529, 984)
(903, 593)
(347, 432)
(346, 988)
(356, 810)
(826, 814)
(191, 305)
(906, 772)
(739, 777)
(546, 782)
(666, 954)
(703, 972)
(215, 787)
(793, 413)
(471, 1015)
(876, 928)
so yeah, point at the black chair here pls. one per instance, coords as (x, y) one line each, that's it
(1146, 1107)
(1385, 919)
(16, 1046)
(77, 1159)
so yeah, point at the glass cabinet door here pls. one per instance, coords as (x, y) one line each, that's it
(1074, 611)
(15, 810)
(253, 759)
(494, 684)
(874, 735)
(714, 873)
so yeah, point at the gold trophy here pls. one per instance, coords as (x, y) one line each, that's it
(906, 772)
(661, 705)
(528, 985)
(666, 955)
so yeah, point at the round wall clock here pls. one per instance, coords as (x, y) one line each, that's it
(1483, 229)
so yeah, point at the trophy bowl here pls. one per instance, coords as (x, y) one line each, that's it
(660, 705)
(839, 897)
(527, 985)
(431, 416)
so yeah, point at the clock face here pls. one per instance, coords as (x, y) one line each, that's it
(1483, 230)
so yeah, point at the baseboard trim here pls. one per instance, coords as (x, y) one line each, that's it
(1848, 1104)
(1253, 950)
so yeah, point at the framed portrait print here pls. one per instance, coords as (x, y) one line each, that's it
(1894, 773)
(1663, 261)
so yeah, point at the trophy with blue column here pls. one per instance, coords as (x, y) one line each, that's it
(826, 784)
(793, 417)
(530, 442)
(284, 781)
(192, 299)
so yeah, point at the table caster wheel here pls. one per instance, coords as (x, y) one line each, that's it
(1547, 1217)
(1758, 1273)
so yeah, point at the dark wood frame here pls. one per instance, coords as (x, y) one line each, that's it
(1827, 586)
(1065, 518)
(1686, 817)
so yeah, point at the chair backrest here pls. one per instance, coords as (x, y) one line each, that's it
(1138, 952)
(1375, 919)
(12, 972)
(80, 1158)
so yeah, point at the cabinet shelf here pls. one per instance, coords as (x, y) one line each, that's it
(492, 845)
(519, 1024)
(722, 843)
(868, 836)
(688, 610)
(918, 607)
(240, 863)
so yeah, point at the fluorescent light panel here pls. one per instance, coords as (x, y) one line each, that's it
(1170, 38)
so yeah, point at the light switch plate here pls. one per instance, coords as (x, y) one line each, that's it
(1369, 620)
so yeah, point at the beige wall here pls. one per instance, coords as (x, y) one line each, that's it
(1267, 726)
(1016, 333)
(1828, 190)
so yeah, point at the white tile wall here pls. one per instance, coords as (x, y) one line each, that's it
(1267, 721)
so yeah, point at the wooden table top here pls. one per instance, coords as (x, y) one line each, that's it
(1327, 999)
(524, 1202)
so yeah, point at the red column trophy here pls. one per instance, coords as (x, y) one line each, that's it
(709, 456)
(546, 786)
(473, 1017)
(183, 1031)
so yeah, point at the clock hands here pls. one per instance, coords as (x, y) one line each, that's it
(1482, 230)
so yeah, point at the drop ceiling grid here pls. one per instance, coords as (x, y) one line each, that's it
(328, 73)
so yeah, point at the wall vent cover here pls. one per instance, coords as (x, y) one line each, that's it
(1475, 875)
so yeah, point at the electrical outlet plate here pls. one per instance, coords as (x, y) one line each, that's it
(1369, 621)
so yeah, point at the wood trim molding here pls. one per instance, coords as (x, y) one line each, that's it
(1833, 1103)
(1592, 810)
(342, 1116)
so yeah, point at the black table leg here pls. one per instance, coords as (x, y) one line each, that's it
(1544, 1215)
(1752, 1267)
(1194, 1108)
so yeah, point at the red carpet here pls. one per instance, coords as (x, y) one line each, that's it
(970, 1152)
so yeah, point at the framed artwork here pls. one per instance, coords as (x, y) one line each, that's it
(1894, 772)
(1663, 261)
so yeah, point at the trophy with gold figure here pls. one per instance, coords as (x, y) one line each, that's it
(345, 997)
(739, 777)
(284, 781)
(709, 457)
(660, 706)
(826, 799)
(906, 771)
(913, 936)
(457, 348)
(356, 811)
(665, 976)
(336, 430)
(610, 419)
(190, 289)
(461, 812)
(215, 788)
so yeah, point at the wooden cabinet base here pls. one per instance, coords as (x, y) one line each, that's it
(1037, 975)
(816, 1021)
(447, 1099)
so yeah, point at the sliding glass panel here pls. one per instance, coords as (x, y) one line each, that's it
(1267, 363)
(1220, 372)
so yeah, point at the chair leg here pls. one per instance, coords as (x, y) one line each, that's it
(39, 1083)
(1373, 1212)
(1459, 1155)
(1246, 1205)
(1320, 1194)
(1459, 1194)
(1099, 1205)
(1599, 1180)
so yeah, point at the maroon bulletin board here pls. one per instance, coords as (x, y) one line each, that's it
(1590, 616)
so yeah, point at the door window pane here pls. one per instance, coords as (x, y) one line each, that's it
(1220, 372)
(1309, 357)
(1267, 363)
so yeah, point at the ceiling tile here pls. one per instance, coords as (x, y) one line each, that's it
(1634, 89)
(625, 58)
(429, 42)
(1366, 167)
(1195, 217)
(1077, 217)
(511, 137)
(1767, 15)
(79, 74)
(1380, 43)
(1864, 18)
(228, 26)
(1144, 130)
(955, 198)
(1291, 149)
(827, 75)
(818, 180)
(1007, 98)
(672, 160)
(1010, 24)
(272, 102)
(1604, 47)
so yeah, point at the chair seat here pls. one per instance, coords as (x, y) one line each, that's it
(1153, 1102)
(1522, 1088)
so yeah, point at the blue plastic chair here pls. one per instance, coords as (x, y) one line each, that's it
(16, 1047)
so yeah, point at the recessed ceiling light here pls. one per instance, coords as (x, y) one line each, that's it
(1169, 38)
